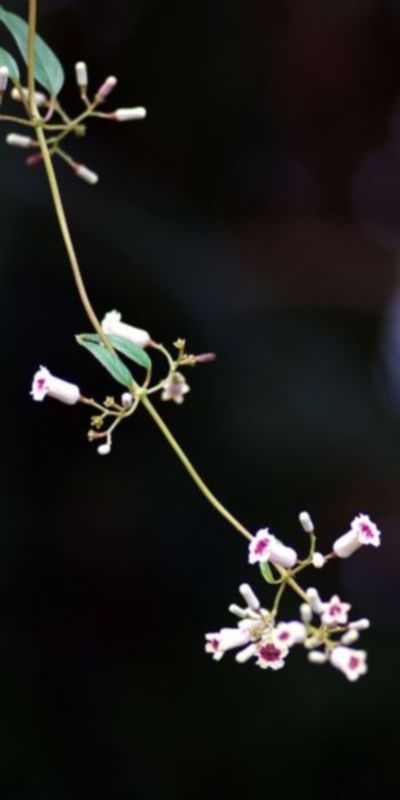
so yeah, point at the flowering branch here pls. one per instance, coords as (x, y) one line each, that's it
(324, 628)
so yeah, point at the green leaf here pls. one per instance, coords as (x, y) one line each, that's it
(124, 346)
(108, 360)
(48, 69)
(7, 60)
(266, 572)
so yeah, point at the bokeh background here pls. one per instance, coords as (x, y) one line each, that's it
(256, 212)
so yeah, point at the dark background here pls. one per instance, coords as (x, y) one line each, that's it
(256, 212)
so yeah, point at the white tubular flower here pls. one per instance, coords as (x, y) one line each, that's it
(306, 522)
(306, 612)
(318, 560)
(107, 87)
(104, 449)
(212, 646)
(362, 531)
(17, 140)
(360, 624)
(271, 656)
(264, 546)
(335, 612)
(287, 634)
(86, 174)
(40, 99)
(81, 74)
(316, 657)
(249, 597)
(226, 639)
(4, 76)
(350, 637)
(175, 388)
(113, 325)
(315, 601)
(44, 383)
(351, 662)
(128, 114)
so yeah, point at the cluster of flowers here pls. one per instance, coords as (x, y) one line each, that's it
(20, 94)
(324, 628)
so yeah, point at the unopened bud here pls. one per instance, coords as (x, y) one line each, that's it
(126, 399)
(318, 560)
(237, 611)
(249, 597)
(314, 600)
(306, 612)
(86, 174)
(33, 161)
(17, 140)
(204, 358)
(40, 99)
(4, 76)
(81, 74)
(104, 449)
(306, 522)
(316, 657)
(350, 636)
(360, 624)
(107, 87)
(127, 114)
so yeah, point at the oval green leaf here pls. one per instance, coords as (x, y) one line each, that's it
(7, 60)
(48, 69)
(266, 572)
(124, 346)
(109, 361)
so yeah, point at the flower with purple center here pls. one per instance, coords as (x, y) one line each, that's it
(362, 531)
(269, 655)
(287, 634)
(44, 383)
(351, 662)
(175, 388)
(264, 547)
(335, 612)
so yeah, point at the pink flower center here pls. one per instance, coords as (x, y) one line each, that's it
(268, 652)
(41, 383)
(214, 644)
(284, 636)
(335, 610)
(366, 530)
(261, 546)
(354, 662)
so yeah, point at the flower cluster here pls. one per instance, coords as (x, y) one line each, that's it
(323, 629)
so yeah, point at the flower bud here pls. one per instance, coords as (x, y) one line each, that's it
(318, 560)
(306, 613)
(350, 637)
(360, 624)
(238, 611)
(40, 99)
(249, 597)
(314, 600)
(107, 87)
(4, 76)
(126, 399)
(244, 655)
(306, 522)
(81, 74)
(316, 657)
(17, 140)
(112, 325)
(104, 449)
(127, 114)
(86, 174)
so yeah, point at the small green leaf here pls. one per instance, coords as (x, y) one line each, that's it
(109, 361)
(124, 346)
(7, 60)
(48, 69)
(266, 572)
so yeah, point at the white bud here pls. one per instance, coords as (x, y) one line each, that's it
(318, 560)
(245, 654)
(237, 611)
(127, 114)
(350, 636)
(112, 325)
(316, 657)
(4, 76)
(81, 74)
(126, 399)
(249, 597)
(306, 522)
(86, 174)
(306, 612)
(107, 87)
(314, 600)
(40, 99)
(17, 140)
(360, 624)
(104, 449)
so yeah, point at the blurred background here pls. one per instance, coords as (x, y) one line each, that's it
(256, 212)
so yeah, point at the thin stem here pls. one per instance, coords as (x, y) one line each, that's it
(16, 120)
